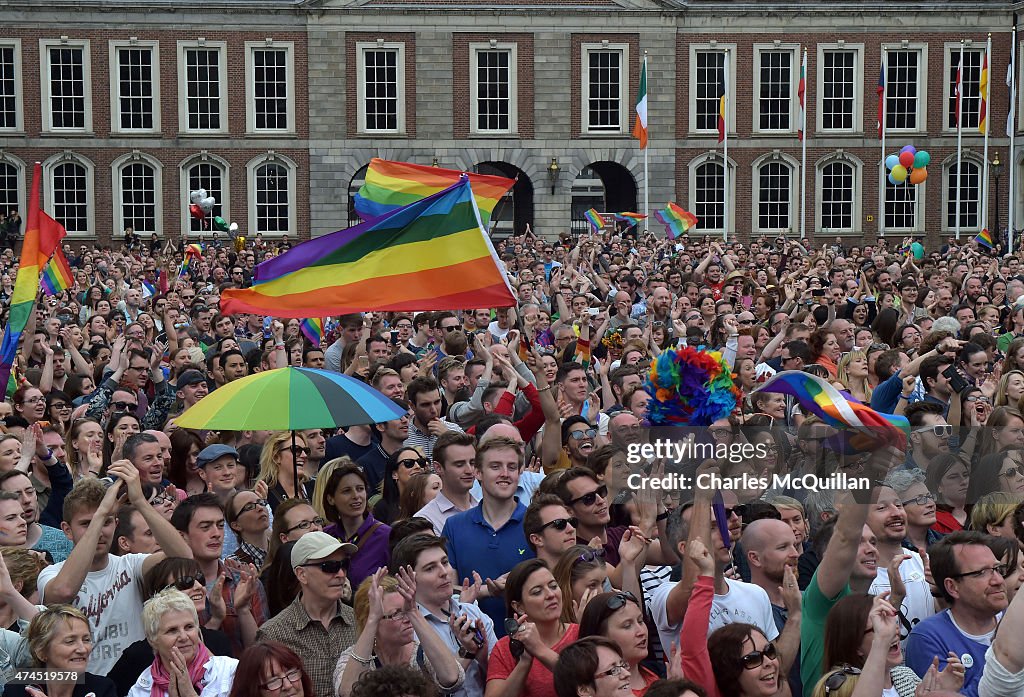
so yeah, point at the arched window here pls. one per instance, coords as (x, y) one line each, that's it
(900, 206)
(837, 196)
(10, 198)
(774, 196)
(709, 195)
(138, 197)
(272, 200)
(70, 192)
(969, 196)
(209, 175)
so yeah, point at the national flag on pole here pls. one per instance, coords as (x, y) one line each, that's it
(430, 255)
(595, 220)
(1011, 82)
(959, 88)
(640, 124)
(42, 236)
(881, 99)
(983, 94)
(57, 276)
(723, 92)
(801, 93)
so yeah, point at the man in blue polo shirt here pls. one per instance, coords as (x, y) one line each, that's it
(489, 537)
(970, 579)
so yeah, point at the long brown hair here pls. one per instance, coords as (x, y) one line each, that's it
(844, 631)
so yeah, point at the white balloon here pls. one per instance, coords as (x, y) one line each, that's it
(233, 227)
(195, 196)
(208, 203)
(202, 193)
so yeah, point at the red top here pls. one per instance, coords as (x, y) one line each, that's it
(945, 523)
(693, 638)
(539, 682)
(649, 679)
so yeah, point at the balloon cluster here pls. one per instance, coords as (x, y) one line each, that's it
(910, 164)
(201, 206)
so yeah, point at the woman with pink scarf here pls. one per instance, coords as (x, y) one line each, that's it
(183, 666)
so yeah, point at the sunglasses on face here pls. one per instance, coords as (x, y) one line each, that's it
(755, 659)
(559, 524)
(413, 462)
(591, 498)
(939, 430)
(187, 582)
(1013, 472)
(581, 435)
(297, 450)
(331, 566)
(125, 406)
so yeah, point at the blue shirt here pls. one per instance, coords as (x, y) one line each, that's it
(473, 545)
(886, 396)
(936, 636)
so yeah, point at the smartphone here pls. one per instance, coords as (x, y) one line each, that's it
(394, 337)
(817, 292)
(267, 322)
(956, 380)
(592, 311)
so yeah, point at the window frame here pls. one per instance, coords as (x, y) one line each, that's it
(922, 86)
(794, 81)
(361, 48)
(116, 168)
(250, 85)
(919, 205)
(225, 195)
(19, 93)
(947, 89)
(947, 201)
(713, 157)
(202, 44)
(48, 168)
(730, 114)
(289, 165)
(794, 194)
(475, 48)
(115, 85)
(20, 172)
(44, 88)
(858, 88)
(586, 48)
(857, 213)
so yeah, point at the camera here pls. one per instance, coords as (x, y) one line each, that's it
(956, 380)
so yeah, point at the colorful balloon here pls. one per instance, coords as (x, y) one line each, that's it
(892, 161)
(220, 224)
(919, 175)
(196, 211)
(908, 148)
(906, 159)
(922, 159)
(899, 173)
(892, 181)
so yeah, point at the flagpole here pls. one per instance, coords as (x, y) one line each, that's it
(984, 178)
(1011, 123)
(647, 179)
(725, 152)
(881, 127)
(959, 131)
(803, 158)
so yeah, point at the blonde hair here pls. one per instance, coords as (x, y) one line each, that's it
(269, 468)
(845, 690)
(170, 600)
(388, 584)
(23, 565)
(321, 483)
(993, 509)
(1002, 399)
(44, 626)
(843, 374)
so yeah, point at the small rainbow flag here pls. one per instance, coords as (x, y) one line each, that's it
(984, 238)
(390, 185)
(817, 396)
(595, 219)
(629, 217)
(313, 329)
(676, 220)
(193, 251)
(57, 275)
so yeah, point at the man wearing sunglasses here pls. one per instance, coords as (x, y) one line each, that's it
(317, 625)
(972, 581)
(929, 434)
(550, 528)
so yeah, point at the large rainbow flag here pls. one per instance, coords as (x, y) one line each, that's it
(42, 236)
(675, 219)
(430, 255)
(391, 185)
(57, 275)
(817, 396)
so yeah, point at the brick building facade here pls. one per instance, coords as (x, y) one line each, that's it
(276, 107)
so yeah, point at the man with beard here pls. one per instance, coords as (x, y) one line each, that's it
(42, 538)
(659, 310)
(451, 374)
(392, 435)
(971, 580)
(317, 444)
(888, 521)
(929, 433)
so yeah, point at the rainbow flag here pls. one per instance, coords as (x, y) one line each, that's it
(629, 217)
(192, 251)
(871, 429)
(57, 275)
(595, 219)
(42, 236)
(390, 185)
(984, 238)
(676, 220)
(430, 255)
(313, 329)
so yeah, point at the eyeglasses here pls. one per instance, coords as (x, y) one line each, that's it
(276, 683)
(755, 659)
(1013, 472)
(396, 616)
(983, 574)
(940, 430)
(160, 499)
(591, 498)
(449, 330)
(581, 435)
(922, 500)
(720, 433)
(125, 406)
(838, 678)
(63, 406)
(34, 400)
(559, 524)
(590, 556)
(745, 322)
(306, 525)
(331, 566)
(296, 450)
(413, 462)
(613, 671)
(252, 505)
(187, 582)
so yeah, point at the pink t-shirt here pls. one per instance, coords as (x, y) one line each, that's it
(539, 682)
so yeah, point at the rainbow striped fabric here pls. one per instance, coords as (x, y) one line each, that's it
(57, 275)
(192, 251)
(42, 236)
(629, 217)
(676, 220)
(816, 396)
(313, 329)
(391, 185)
(430, 255)
(595, 219)
(984, 238)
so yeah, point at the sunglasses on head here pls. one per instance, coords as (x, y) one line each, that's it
(590, 556)
(331, 566)
(591, 498)
(618, 600)
(187, 582)
(559, 524)
(838, 678)
(409, 463)
(755, 659)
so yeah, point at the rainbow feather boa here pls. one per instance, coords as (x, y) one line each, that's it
(690, 387)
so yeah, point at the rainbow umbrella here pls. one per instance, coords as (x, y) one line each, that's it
(290, 399)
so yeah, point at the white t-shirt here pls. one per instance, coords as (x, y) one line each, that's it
(112, 600)
(744, 602)
(919, 604)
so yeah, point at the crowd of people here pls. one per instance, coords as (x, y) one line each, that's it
(494, 540)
